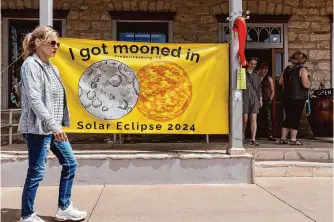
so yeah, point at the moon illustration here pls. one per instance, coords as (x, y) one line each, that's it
(165, 91)
(108, 89)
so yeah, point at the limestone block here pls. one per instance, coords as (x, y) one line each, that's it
(291, 156)
(301, 11)
(322, 171)
(19, 4)
(314, 3)
(320, 37)
(292, 36)
(4, 5)
(304, 37)
(35, 4)
(324, 65)
(160, 6)
(134, 6)
(252, 6)
(225, 7)
(295, 171)
(110, 6)
(271, 8)
(107, 36)
(167, 7)
(319, 18)
(279, 9)
(313, 11)
(216, 9)
(314, 155)
(319, 54)
(152, 6)
(11, 5)
(269, 155)
(118, 6)
(299, 25)
(101, 26)
(126, 5)
(293, 3)
(74, 15)
(94, 35)
(207, 19)
(105, 16)
(269, 172)
(84, 16)
(184, 17)
(262, 7)
(27, 4)
(286, 10)
(302, 45)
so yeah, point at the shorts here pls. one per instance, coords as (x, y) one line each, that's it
(251, 106)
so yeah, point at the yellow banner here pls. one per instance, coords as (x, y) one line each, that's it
(131, 87)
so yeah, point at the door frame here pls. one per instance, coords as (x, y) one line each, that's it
(273, 76)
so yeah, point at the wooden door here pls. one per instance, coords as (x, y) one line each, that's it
(277, 108)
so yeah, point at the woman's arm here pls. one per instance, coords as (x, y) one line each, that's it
(304, 77)
(272, 89)
(281, 80)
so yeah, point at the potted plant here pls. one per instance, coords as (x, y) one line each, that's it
(321, 116)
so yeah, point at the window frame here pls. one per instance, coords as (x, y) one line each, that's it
(130, 16)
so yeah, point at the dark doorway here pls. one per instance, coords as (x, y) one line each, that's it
(274, 59)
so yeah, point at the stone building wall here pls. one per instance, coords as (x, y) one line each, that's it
(195, 21)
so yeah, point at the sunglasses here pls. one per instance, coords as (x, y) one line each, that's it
(54, 43)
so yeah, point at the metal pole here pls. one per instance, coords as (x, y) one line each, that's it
(207, 138)
(46, 12)
(235, 104)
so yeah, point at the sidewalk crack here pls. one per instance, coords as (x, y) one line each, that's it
(286, 203)
(98, 199)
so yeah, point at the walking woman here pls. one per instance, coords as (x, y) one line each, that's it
(296, 83)
(44, 113)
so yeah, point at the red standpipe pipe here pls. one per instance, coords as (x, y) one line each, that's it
(240, 27)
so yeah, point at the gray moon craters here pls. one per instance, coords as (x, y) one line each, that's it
(108, 89)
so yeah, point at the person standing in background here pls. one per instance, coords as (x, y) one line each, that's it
(252, 98)
(268, 92)
(296, 82)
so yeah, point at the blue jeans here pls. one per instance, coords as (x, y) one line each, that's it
(38, 148)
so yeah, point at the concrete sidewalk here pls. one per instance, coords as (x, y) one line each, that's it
(270, 199)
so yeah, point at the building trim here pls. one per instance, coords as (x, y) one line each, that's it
(32, 13)
(259, 18)
(151, 16)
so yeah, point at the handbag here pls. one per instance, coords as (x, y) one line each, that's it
(308, 105)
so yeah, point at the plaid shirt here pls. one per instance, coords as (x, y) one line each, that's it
(57, 94)
(250, 92)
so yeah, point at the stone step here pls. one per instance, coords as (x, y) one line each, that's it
(133, 168)
(293, 169)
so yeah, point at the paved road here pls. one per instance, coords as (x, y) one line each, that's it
(270, 199)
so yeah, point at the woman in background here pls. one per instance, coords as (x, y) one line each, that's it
(296, 83)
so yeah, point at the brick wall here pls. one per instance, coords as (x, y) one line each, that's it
(309, 26)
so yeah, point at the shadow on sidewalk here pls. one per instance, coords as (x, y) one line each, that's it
(13, 215)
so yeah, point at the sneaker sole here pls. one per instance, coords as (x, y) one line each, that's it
(69, 219)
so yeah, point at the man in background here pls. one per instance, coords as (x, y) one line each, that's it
(252, 98)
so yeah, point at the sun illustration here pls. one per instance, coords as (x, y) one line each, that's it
(165, 91)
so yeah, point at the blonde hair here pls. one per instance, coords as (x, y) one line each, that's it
(40, 34)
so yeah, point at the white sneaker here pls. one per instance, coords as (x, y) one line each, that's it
(71, 213)
(33, 218)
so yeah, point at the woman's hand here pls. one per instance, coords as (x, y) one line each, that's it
(60, 135)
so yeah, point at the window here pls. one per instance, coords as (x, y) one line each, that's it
(142, 31)
(142, 26)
